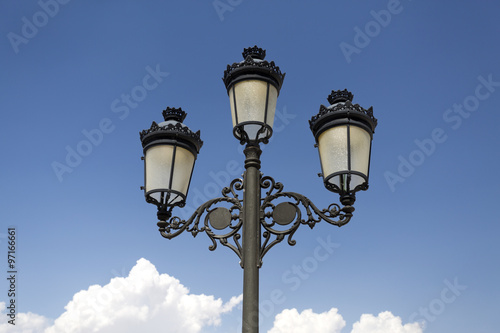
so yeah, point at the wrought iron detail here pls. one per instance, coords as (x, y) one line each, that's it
(335, 188)
(253, 63)
(254, 52)
(280, 219)
(240, 133)
(340, 96)
(295, 212)
(347, 106)
(175, 114)
(212, 220)
(164, 205)
(177, 128)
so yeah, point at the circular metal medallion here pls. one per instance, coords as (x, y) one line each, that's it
(219, 218)
(284, 213)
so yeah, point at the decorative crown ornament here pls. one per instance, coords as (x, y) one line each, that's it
(337, 96)
(254, 52)
(175, 114)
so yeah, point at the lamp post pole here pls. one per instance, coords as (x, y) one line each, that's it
(251, 239)
(343, 133)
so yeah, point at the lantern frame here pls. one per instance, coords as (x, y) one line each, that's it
(342, 112)
(253, 67)
(172, 132)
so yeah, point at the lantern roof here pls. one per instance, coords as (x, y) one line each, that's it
(173, 128)
(253, 65)
(342, 106)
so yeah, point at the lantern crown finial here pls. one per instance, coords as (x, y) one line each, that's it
(254, 52)
(337, 96)
(175, 114)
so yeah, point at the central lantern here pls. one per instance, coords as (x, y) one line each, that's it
(253, 86)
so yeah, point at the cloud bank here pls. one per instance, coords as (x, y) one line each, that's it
(146, 301)
(291, 321)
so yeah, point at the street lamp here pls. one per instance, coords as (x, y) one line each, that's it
(170, 150)
(343, 132)
(253, 86)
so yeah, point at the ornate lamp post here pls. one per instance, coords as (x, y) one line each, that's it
(253, 224)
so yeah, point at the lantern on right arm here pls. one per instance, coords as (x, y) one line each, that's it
(343, 132)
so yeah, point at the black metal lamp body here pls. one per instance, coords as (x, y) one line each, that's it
(343, 133)
(253, 86)
(170, 150)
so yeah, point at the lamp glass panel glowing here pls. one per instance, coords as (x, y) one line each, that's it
(168, 171)
(345, 150)
(248, 106)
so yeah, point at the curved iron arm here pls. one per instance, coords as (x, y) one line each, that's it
(290, 212)
(223, 219)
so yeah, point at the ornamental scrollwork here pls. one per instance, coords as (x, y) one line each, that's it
(281, 214)
(284, 218)
(210, 219)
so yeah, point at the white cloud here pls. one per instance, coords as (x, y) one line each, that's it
(24, 322)
(290, 321)
(145, 301)
(385, 322)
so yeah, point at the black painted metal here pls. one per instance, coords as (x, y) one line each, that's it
(251, 239)
(306, 213)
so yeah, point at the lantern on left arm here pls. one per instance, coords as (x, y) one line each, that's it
(170, 149)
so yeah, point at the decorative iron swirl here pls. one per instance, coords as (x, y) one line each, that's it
(175, 226)
(298, 211)
(240, 133)
(335, 188)
(290, 213)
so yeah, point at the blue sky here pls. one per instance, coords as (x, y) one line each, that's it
(422, 244)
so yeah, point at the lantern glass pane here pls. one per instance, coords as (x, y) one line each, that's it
(249, 97)
(184, 163)
(159, 168)
(333, 150)
(360, 154)
(332, 146)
